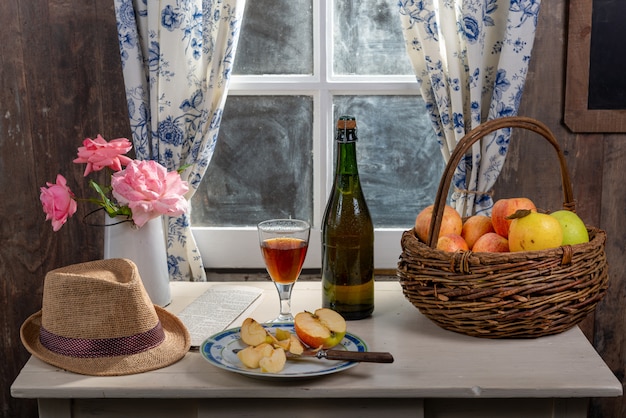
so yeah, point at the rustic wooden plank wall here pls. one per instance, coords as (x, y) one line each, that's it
(60, 81)
(597, 163)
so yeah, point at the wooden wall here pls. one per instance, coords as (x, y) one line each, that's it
(60, 81)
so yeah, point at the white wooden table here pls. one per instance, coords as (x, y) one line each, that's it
(436, 373)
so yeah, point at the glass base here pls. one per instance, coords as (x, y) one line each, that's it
(281, 319)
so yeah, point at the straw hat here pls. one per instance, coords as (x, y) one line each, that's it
(97, 319)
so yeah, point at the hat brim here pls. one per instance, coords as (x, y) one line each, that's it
(174, 347)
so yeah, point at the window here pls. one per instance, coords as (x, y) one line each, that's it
(300, 65)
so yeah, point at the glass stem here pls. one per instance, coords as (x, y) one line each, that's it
(284, 294)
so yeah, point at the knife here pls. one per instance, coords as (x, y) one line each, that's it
(344, 355)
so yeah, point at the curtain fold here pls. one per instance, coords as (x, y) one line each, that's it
(470, 59)
(177, 56)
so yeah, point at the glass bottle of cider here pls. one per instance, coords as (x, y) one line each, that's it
(347, 235)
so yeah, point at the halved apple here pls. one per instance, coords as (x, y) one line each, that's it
(323, 328)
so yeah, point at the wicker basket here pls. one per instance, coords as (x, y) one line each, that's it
(503, 295)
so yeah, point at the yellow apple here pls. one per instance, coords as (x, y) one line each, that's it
(574, 229)
(535, 231)
(323, 328)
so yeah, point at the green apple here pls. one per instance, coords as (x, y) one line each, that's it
(574, 229)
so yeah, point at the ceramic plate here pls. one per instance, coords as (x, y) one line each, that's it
(218, 350)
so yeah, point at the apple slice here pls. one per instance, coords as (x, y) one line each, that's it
(284, 344)
(250, 357)
(264, 349)
(324, 328)
(274, 363)
(253, 333)
(282, 334)
(295, 345)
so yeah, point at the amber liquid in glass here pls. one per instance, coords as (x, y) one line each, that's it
(284, 258)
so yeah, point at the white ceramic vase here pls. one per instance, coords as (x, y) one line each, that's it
(145, 246)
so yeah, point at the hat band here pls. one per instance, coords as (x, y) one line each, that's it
(102, 347)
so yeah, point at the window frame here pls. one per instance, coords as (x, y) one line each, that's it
(238, 247)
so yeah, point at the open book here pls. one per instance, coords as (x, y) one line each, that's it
(216, 309)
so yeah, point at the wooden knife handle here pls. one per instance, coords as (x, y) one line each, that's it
(366, 356)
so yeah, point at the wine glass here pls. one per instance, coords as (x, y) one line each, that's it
(284, 243)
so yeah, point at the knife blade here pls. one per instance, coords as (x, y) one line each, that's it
(343, 355)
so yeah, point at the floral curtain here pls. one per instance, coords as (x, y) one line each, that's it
(471, 59)
(177, 57)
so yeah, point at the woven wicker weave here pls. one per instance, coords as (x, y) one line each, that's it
(503, 295)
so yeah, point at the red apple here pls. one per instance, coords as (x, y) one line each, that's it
(491, 243)
(452, 243)
(475, 227)
(451, 222)
(507, 207)
(324, 328)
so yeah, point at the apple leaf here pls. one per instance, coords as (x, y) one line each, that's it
(520, 213)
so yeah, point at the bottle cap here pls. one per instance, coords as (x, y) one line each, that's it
(346, 122)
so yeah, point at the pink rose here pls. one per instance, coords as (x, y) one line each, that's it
(98, 153)
(58, 202)
(150, 191)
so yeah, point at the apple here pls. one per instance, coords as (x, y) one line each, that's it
(295, 345)
(451, 222)
(503, 208)
(273, 363)
(323, 328)
(491, 243)
(252, 355)
(253, 333)
(282, 334)
(475, 227)
(452, 243)
(574, 229)
(533, 231)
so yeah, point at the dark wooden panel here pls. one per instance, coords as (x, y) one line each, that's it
(18, 258)
(60, 82)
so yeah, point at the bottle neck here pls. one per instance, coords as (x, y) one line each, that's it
(346, 164)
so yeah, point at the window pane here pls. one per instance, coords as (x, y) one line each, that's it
(400, 164)
(262, 167)
(276, 38)
(368, 40)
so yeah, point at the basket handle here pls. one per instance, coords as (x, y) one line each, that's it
(475, 135)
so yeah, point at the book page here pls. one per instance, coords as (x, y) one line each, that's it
(216, 309)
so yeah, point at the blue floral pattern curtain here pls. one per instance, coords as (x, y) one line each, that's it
(177, 57)
(471, 59)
